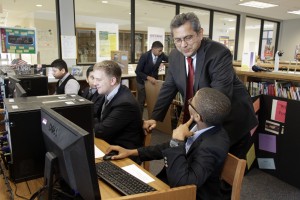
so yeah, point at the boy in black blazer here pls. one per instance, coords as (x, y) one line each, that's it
(90, 92)
(193, 156)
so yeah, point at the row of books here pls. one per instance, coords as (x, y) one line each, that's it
(278, 89)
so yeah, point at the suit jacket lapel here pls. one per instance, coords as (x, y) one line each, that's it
(199, 67)
(198, 141)
(182, 73)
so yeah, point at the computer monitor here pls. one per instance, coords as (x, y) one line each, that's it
(70, 155)
(12, 85)
(35, 85)
(19, 91)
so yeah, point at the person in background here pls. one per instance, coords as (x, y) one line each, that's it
(147, 70)
(66, 84)
(193, 156)
(210, 66)
(90, 92)
(119, 120)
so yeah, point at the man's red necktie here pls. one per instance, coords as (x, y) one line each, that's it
(189, 89)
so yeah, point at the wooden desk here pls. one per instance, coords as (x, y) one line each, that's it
(106, 191)
(26, 189)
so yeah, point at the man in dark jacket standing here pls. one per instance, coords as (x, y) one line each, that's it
(147, 70)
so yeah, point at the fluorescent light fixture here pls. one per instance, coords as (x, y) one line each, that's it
(257, 4)
(296, 12)
(104, 1)
(38, 5)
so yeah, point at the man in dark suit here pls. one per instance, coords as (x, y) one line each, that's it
(212, 67)
(147, 70)
(193, 156)
(119, 117)
(90, 92)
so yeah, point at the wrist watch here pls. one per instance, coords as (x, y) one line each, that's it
(176, 143)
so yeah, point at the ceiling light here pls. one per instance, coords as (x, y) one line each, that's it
(104, 1)
(297, 12)
(38, 5)
(257, 4)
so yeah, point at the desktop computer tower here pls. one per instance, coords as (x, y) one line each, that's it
(27, 150)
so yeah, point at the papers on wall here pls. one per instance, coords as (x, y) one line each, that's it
(267, 142)
(250, 157)
(68, 47)
(107, 40)
(278, 110)
(155, 34)
(272, 127)
(266, 163)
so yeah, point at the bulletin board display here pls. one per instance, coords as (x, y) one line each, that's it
(18, 40)
(277, 147)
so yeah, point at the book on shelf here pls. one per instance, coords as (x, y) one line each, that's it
(277, 88)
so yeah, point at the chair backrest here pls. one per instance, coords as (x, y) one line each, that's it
(147, 141)
(152, 92)
(233, 173)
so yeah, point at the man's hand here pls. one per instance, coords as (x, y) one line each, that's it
(122, 152)
(151, 79)
(183, 131)
(149, 124)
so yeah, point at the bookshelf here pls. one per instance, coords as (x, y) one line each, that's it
(281, 84)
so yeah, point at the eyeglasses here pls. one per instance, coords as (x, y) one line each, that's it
(187, 39)
(190, 103)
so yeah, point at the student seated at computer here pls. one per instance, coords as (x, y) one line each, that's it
(90, 92)
(66, 84)
(119, 120)
(193, 156)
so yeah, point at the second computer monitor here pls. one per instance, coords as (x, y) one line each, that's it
(70, 152)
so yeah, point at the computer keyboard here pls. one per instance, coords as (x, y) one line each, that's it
(121, 180)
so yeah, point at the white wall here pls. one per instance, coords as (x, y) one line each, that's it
(289, 38)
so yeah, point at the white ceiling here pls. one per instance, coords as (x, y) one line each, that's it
(90, 11)
(278, 13)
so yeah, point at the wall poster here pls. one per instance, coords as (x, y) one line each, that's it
(18, 40)
(107, 40)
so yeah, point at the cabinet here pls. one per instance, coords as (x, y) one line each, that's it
(86, 46)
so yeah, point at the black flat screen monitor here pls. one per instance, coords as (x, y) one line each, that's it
(35, 85)
(19, 91)
(12, 85)
(70, 154)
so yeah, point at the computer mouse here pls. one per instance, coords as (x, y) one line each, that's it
(110, 154)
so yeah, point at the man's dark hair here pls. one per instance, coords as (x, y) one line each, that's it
(89, 70)
(111, 68)
(60, 64)
(182, 18)
(212, 105)
(157, 44)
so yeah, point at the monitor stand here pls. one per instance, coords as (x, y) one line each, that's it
(50, 161)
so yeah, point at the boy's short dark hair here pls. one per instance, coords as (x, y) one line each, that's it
(212, 105)
(60, 64)
(89, 70)
(157, 44)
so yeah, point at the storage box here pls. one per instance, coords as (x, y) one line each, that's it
(121, 57)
